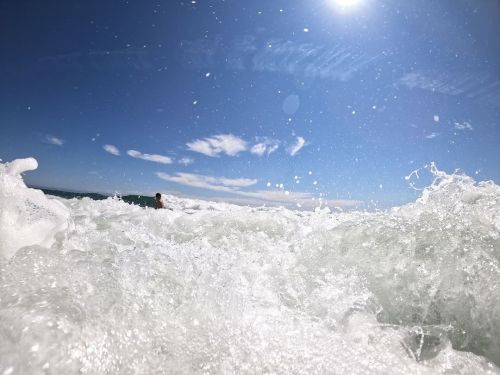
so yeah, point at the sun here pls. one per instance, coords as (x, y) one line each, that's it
(346, 4)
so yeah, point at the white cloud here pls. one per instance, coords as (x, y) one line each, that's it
(258, 149)
(270, 197)
(277, 195)
(217, 144)
(272, 148)
(265, 146)
(53, 140)
(466, 125)
(295, 148)
(113, 150)
(208, 182)
(186, 161)
(432, 135)
(150, 157)
(304, 200)
(306, 204)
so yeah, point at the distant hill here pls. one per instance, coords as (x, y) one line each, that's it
(132, 199)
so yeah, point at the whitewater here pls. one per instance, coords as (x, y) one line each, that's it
(98, 287)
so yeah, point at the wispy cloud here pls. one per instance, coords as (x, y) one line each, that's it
(113, 150)
(201, 53)
(185, 161)
(150, 157)
(432, 135)
(464, 125)
(335, 61)
(208, 182)
(218, 144)
(265, 146)
(297, 146)
(53, 140)
(305, 60)
(440, 83)
(477, 86)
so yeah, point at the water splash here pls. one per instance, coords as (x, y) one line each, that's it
(27, 217)
(228, 289)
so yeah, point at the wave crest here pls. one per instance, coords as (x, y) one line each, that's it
(218, 288)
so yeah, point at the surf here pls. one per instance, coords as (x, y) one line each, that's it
(106, 286)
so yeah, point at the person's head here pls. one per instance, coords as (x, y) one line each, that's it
(158, 196)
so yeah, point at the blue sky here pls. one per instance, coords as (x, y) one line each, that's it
(257, 101)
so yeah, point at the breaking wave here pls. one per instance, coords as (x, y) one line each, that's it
(106, 287)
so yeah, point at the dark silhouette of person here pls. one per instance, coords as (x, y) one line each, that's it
(158, 201)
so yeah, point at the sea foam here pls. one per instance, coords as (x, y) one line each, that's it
(108, 287)
(27, 216)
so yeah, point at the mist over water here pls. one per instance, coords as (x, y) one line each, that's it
(106, 287)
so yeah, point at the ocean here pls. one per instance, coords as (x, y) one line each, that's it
(140, 200)
(105, 286)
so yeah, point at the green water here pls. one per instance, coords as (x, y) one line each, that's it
(140, 200)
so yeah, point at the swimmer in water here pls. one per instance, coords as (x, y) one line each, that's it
(158, 201)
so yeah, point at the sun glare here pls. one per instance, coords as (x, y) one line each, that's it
(346, 4)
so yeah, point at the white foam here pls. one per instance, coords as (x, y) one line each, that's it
(228, 289)
(27, 216)
(19, 166)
